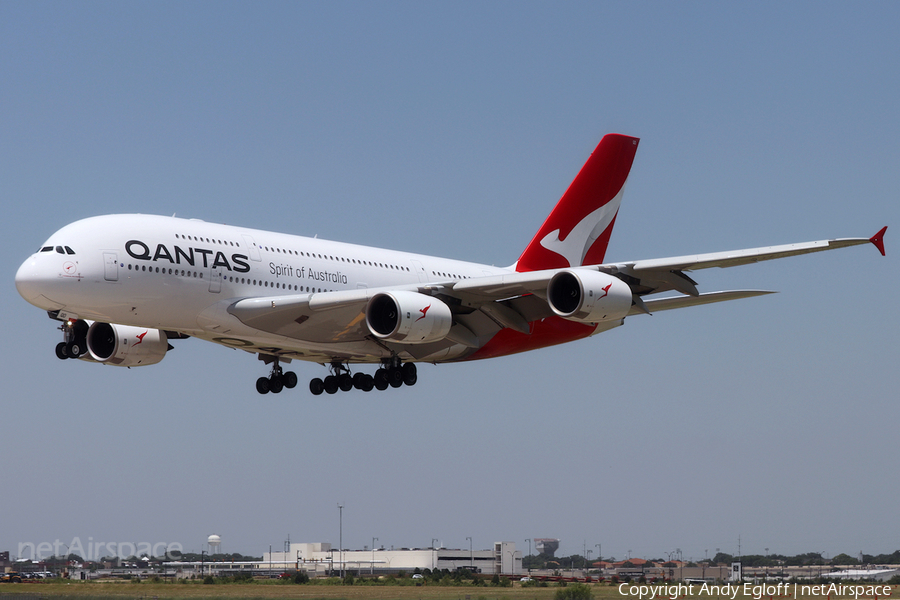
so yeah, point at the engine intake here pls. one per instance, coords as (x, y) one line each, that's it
(588, 296)
(126, 346)
(408, 317)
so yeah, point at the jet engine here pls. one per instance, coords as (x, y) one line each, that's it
(588, 296)
(125, 346)
(408, 317)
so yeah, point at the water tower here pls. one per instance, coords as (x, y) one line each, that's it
(213, 542)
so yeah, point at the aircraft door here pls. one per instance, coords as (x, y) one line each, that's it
(420, 270)
(110, 266)
(252, 248)
(215, 280)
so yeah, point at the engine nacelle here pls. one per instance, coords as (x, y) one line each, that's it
(588, 296)
(125, 346)
(408, 317)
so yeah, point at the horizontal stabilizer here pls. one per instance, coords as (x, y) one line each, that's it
(684, 301)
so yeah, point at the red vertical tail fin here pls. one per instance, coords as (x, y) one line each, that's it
(577, 231)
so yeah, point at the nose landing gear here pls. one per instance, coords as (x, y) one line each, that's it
(74, 344)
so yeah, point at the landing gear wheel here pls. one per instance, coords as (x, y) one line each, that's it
(410, 374)
(381, 380)
(358, 380)
(276, 384)
(61, 352)
(345, 382)
(290, 380)
(75, 348)
(316, 386)
(368, 382)
(395, 377)
(262, 385)
(331, 384)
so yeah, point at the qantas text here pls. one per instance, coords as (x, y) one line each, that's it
(140, 251)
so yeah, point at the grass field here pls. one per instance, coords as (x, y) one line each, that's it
(61, 590)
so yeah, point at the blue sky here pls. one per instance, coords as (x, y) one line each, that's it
(452, 129)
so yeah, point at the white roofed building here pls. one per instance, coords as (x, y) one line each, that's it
(320, 559)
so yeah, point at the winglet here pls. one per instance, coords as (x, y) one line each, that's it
(878, 240)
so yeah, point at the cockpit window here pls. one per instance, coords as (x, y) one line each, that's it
(59, 249)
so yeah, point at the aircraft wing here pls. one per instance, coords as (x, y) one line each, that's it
(481, 306)
(664, 274)
(511, 301)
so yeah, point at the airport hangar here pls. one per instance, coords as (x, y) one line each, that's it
(320, 559)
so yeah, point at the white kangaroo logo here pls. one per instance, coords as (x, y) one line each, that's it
(576, 245)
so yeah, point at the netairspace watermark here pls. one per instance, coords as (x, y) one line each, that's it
(752, 590)
(95, 551)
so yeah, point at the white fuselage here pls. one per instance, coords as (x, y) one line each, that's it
(180, 275)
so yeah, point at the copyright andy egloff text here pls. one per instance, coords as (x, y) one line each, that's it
(754, 591)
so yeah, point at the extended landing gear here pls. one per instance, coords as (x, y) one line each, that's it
(391, 375)
(74, 344)
(277, 381)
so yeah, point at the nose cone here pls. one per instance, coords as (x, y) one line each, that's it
(27, 280)
(33, 284)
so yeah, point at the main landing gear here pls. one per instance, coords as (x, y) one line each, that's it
(392, 374)
(277, 381)
(74, 344)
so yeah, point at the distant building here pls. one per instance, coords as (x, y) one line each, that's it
(320, 559)
(547, 546)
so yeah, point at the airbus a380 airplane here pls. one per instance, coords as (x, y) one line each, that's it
(124, 285)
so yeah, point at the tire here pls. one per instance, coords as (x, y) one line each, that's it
(262, 385)
(316, 387)
(368, 383)
(395, 377)
(345, 382)
(410, 374)
(358, 380)
(380, 380)
(276, 384)
(75, 348)
(331, 384)
(61, 352)
(290, 380)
